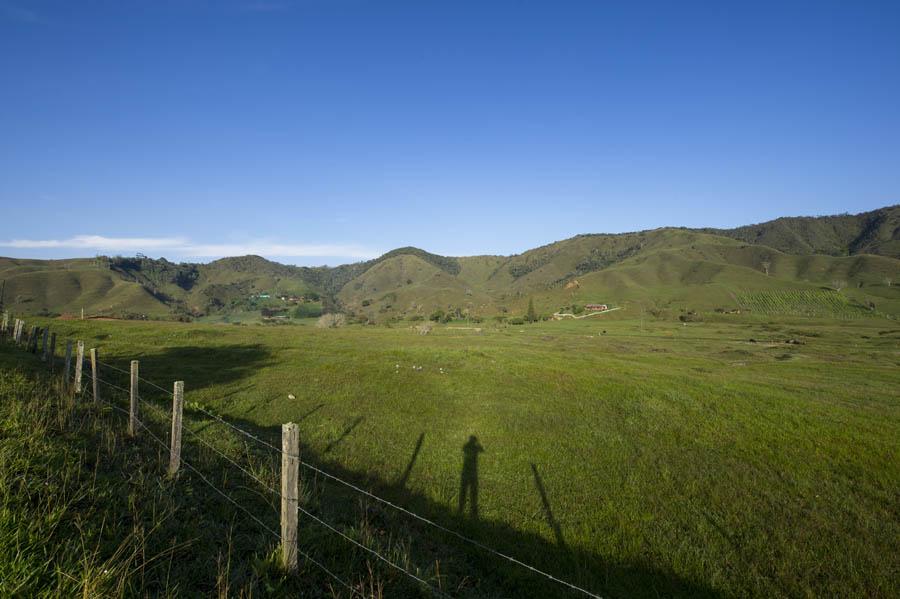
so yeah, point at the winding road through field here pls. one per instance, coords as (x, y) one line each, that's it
(560, 316)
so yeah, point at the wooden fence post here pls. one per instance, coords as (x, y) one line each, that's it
(45, 344)
(290, 483)
(133, 406)
(177, 407)
(5, 322)
(16, 326)
(94, 368)
(32, 339)
(79, 364)
(68, 368)
(51, 355)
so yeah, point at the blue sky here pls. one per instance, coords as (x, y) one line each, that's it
(326, 131)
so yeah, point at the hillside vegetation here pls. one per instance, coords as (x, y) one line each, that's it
(680, 269)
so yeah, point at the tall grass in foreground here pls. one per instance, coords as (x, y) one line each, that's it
(89, 511)
(86, 511)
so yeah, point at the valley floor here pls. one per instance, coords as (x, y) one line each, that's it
(736, 456)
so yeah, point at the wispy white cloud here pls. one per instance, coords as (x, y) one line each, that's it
(277, 249)
(183, 247)
(98, 242)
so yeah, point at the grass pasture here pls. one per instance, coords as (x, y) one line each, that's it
(736, 456)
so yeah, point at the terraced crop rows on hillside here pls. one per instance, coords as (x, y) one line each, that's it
(802, 302)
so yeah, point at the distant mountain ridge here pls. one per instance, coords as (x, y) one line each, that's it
(703, 268)
(875, 232)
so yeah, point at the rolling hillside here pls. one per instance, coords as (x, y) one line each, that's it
(672, 269)
(875, 232)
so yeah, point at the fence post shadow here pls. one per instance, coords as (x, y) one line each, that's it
(401, 482)
(344, 434)
(548, 511)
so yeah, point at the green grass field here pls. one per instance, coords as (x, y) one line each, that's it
(631, 457)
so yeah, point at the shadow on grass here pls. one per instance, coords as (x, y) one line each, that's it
(199, 367)
(401, 482)
(465, 569)
(548, 511)
(345, 434)
(468, 478)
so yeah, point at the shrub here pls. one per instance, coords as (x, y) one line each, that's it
(689, 316)
(331, 321)
(437, 315)
(416, 318)
(308, 311)
(531, 315)
(516, 320)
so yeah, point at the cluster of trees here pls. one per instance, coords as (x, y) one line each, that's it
(531, 315)
(440, 316)
(308, 310)
(573, 309)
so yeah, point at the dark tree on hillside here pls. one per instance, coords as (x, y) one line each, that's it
(329, 305)
(531, 316)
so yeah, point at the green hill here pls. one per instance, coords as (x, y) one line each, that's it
(676, 269)
(875, 232)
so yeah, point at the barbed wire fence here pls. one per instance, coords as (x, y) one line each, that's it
(74, 376)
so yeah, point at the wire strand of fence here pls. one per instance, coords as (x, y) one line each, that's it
(451, 531)
(196, 436)
(412, 514)
(89, 376)
(116, 368)
(203, 411)
(353, 541)
(238, 429)
(140, 378)
(194, 433)
(307, 513)
(265, 527)
(211, 415)
(277, 493)
(232, 462)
